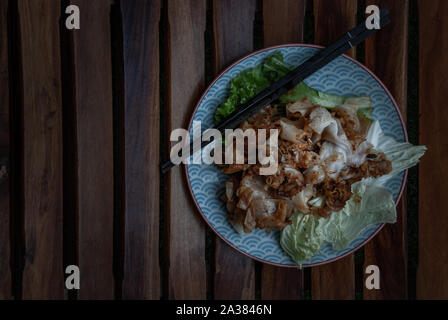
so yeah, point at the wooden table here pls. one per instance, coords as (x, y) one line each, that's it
(85, 117)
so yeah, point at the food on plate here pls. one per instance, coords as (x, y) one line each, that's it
(333, 162)
(250, 82)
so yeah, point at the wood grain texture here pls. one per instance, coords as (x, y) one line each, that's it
(432, 272)
(232, 30)
(185, 83)
(389, 62)
(142, 125)
(332, 19)
(283, 21)
(94, 137)
(233, 37)
(335, 280)
(279, 283)
(234, 273)
(5, 254)
(41, 68)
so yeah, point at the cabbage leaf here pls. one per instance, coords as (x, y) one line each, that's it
(370, 204)
(308, 233)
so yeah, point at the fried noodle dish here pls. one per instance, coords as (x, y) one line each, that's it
(321, 154)
(334, 162)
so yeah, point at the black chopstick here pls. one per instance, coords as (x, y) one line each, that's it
(277, 89)
(234, 119)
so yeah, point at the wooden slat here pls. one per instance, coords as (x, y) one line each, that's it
(94, 137)
(279, 283)
(233, 37)
(234, 273)
(233, 31)
(332, 19)
(185, 83)
(142, 123)
(5, 270)
(335, 280)
(41, 68)
(283, 23)
(432, 273)
(388, 249)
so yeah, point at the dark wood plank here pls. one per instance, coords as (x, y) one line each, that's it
(185, 83)
(42, 163)
(283, 23)
(335, 280)
(233, 37)
(5, 255)
(332, 19)
(281, 283)
(234, 273)
(94, 137)
(432, 272)
(388, 249)
(233, 31)
(142, 125)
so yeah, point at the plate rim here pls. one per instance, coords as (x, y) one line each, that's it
(403, 182)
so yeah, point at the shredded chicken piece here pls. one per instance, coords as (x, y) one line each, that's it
(336, 194)
(351, 125)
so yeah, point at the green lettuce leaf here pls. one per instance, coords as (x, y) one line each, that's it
(307, 234)
(302, 90)
(403, 155)
(363, 105)
(274, 67)
(303, 238)
(250, 82)
(370, 204)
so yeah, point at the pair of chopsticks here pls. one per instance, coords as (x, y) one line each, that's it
(283, 85)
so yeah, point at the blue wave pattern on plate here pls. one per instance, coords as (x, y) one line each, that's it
(342, 77)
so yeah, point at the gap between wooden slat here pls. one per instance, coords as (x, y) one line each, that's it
(116, 27)
(258, 26)
(69, 149)
(16, 144)
(412, 185)
(308, 23)
(164, 148)
(5, 219)
(209, 76)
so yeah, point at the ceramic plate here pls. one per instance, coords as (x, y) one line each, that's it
(343, 76)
